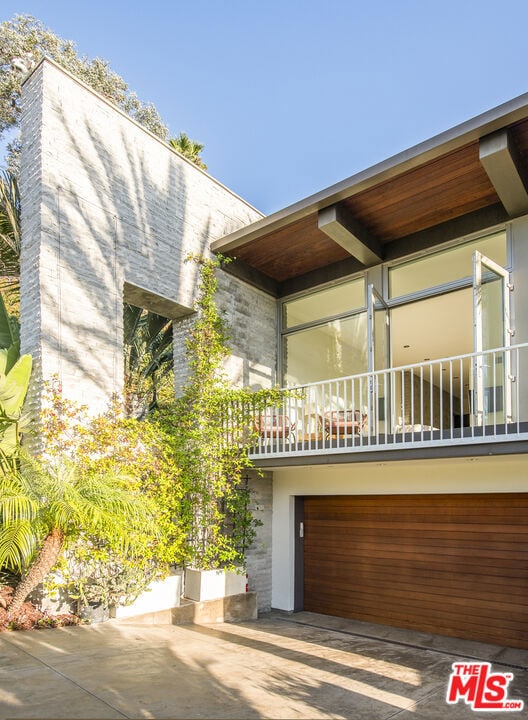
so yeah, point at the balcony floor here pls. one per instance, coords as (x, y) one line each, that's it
(511, 438)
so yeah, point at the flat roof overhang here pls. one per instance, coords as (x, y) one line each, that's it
(466, 179)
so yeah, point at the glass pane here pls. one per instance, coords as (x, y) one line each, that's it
(492, 299)
(444, 267)
(493, 327)
(379, 410)
(331, 350)
(325, 303)
(381, 347)
(492, 391)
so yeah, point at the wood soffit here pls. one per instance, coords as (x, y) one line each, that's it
(434, 193)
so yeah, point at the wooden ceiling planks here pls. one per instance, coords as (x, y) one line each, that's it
(445, 188)
(448, 187)
(292, 251)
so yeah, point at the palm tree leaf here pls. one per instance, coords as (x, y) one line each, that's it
(3, 360)
(14, 385)
(17, 544)
(10, 233)
(132, 316)
(15, 507)
(8, 331)
(13, 356)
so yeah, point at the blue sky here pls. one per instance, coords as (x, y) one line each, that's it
(290, 96)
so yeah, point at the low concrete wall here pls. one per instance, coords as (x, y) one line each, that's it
(160, 595)
(235, 608)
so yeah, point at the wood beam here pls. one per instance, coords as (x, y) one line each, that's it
(500, 159)
(341, 226)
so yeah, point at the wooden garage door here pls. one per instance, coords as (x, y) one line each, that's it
(449, 564)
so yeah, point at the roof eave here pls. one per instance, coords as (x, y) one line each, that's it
(503, 115)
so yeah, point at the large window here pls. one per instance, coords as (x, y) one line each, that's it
(331, 339)
(444, 267)
(325, 333)
(330, 350)
(326, 303)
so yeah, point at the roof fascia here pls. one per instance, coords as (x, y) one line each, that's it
(463, 134)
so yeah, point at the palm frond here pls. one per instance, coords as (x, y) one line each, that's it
(9, 332)
(10, 233)
(16, 506)
(18, 542)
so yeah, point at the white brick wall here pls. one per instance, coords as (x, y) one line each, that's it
(104, 202)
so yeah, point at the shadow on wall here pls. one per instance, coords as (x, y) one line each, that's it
(118, 210)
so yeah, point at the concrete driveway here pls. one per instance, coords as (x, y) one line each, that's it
(280, 666)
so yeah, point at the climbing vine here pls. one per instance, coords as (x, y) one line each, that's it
(210, 428)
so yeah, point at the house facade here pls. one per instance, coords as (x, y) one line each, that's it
(400, 467)
(393, 305)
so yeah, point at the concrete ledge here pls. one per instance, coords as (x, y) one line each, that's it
(234, 608)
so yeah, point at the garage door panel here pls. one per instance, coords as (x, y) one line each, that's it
(400, 614)
(444, 584)
(503, 571)
(439, 626)
(430, 558)
(454, 535)
(409, 523)
(379, 512)
(480, 553)
(457, 563)
(458, 502)
(398, 595)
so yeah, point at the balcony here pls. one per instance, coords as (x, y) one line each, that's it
(467, 400)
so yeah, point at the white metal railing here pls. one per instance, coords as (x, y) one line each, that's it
(472, 398)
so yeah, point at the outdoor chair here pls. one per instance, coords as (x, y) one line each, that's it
(274, 426)
(343, 422)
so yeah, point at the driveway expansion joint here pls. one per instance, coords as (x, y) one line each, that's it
(401, 643)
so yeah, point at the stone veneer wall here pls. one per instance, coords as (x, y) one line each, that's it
(109, 213)
(259, 555)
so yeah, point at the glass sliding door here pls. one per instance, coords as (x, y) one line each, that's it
(492, 331)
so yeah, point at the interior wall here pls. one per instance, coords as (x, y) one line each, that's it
(324, 352)
(420, 398)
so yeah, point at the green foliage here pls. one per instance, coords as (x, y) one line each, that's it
(209, 432)
(113, 443)
(59, 496)
(149, 376)
(26, 38)
(92, 574)
(9, 241)
(9, 330)
(189, 149)
(15, 374)
(13, 389)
